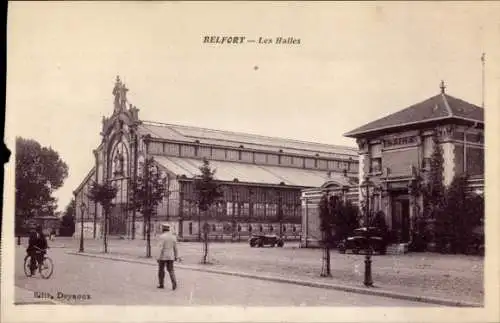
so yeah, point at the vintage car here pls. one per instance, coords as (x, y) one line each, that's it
(364, 238)
(260, 240)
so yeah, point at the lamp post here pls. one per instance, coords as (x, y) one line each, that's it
(367, 190)
(82, 209)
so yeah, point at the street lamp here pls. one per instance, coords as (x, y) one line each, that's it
(82, 209)
(367, 188)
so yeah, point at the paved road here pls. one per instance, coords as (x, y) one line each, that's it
(457, 277)
(117, 283)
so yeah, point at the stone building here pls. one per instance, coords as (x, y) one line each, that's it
(261, 177)
(395, 151)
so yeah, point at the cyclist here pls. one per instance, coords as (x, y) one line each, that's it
(37, 247)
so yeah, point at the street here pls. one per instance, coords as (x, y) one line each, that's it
(457, 277)
(108, 282)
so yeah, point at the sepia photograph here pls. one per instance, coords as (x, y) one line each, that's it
(251, 161)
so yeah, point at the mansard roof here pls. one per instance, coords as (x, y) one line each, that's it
(437, 108)
(229, 171)
(244, 140)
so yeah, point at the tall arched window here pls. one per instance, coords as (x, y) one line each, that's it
(119, 160)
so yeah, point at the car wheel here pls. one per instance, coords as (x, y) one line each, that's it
(355, 251)
(280, 244)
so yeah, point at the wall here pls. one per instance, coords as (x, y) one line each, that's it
(88, 230)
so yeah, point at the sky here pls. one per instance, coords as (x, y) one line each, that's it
(355, 62)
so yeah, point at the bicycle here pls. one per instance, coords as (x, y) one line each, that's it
(46, 269)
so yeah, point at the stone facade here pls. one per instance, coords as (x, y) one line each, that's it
(395, 154)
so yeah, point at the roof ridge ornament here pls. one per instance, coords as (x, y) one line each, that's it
(442, 86)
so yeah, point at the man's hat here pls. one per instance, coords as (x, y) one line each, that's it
(165, 226)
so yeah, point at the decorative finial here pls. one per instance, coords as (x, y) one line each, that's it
(442, 86)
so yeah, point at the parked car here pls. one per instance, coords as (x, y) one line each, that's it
(260, 240)
(363, 238)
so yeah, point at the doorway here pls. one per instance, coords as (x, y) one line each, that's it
(117, 223)
(401, 218)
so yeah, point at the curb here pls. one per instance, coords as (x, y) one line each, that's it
(352, 289)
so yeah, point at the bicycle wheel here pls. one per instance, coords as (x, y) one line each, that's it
(27, 263)
(47, 268)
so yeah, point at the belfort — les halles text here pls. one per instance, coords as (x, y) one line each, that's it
(257, 40)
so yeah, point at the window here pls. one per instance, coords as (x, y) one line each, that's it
(376, 165)
(271, 209)
(250, 228)
(309, 163)
(272, 159)
(214, 228)
(190, 228)
(244, 209)
(239, 228)
(187, 151)
(261, 228)
(271, 228)
(294, 229)
(284, 228)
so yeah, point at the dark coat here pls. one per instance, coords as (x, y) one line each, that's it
(38, 241)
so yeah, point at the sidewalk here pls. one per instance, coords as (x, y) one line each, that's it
(453, 280)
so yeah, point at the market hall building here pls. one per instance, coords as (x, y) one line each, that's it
(394, 153)
(261, 177)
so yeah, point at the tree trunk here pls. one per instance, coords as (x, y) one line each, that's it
(199, 225)
(106, 230)
(325, 268)
(205, 247)
(133, 225)
(328, 272)
(205, 242)
(148, 238)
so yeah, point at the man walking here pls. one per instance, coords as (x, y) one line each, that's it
(167, 256)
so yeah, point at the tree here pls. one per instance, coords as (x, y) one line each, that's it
(207, 192)
(326, 209)
(434, 189)
(346, 219)
(148, 191)
(67, 228)
(104, 195)
(462, 214)
(39, 172)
